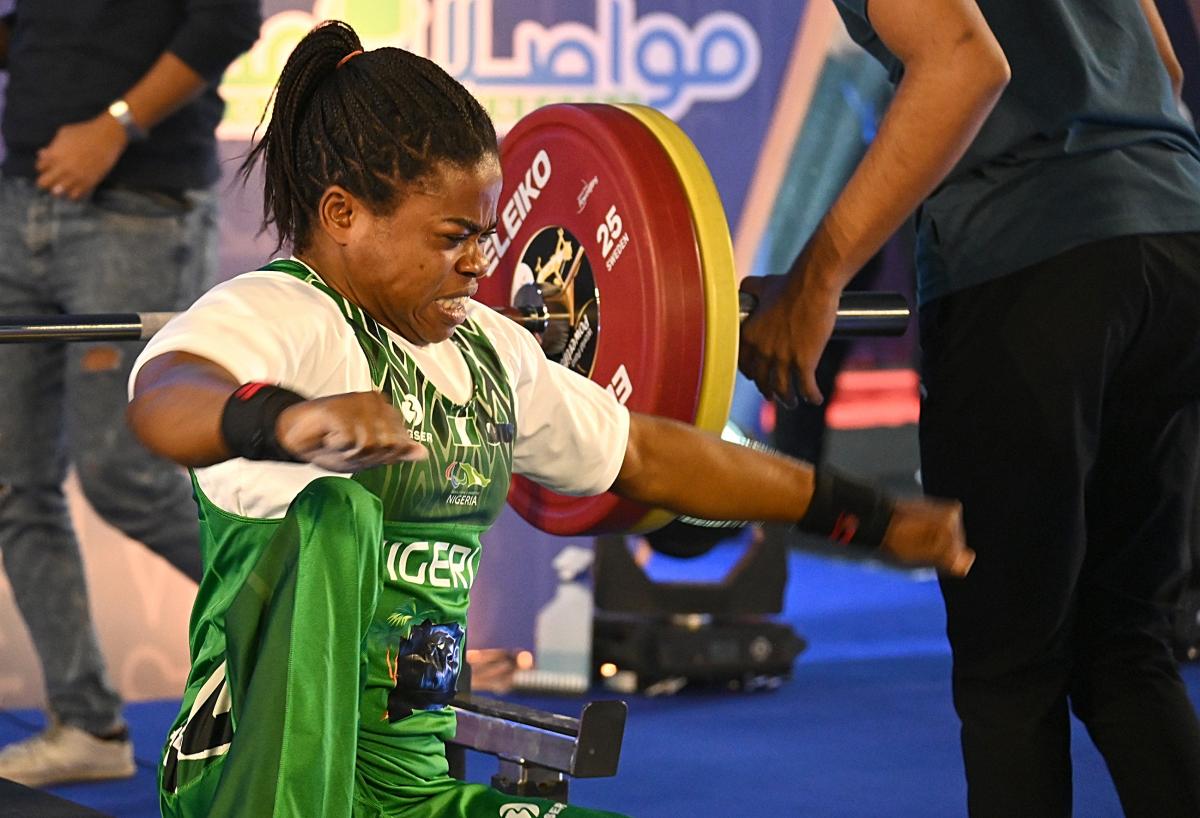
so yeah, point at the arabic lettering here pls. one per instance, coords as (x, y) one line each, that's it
(667, 64)
(657, 59)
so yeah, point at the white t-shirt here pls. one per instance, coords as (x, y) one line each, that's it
(270, 326)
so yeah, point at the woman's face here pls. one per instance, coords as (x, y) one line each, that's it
(415, 268)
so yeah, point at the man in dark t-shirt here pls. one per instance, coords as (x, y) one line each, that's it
(109, 127)
(1058, 260)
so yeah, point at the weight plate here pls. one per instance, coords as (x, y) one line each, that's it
(593, 211)
(719, 279)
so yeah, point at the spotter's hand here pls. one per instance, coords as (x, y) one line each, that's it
(782, 340)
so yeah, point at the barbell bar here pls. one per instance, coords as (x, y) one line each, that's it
(859, 314)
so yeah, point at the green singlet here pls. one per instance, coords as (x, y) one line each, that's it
(326, 643)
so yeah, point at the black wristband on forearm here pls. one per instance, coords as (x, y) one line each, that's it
(248, 421)
(846, 510)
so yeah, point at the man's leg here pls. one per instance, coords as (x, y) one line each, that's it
(1127, 688)
(1141, 501)
(1014, 376)
(41, 555)
(131, 252)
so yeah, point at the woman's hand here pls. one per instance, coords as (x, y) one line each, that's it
(929, 532)
(347, 433)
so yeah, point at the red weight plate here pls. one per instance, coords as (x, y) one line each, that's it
(628, 255)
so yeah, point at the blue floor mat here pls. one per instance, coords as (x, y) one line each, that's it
(865, 728)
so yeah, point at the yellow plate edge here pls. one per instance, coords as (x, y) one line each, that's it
(721, 326)
(720, 283)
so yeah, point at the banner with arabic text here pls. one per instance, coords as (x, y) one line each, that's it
(715, 68)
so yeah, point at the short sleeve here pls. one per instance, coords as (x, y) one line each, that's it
(259, 327)
(858, 26)
(214, 33)
(571, 432)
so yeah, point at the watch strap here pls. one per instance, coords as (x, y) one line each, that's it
(119, 111)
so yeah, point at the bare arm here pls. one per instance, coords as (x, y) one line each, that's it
(177, 405)
(211, 36)
(675, 466)
(954, 71)
(164, 89)
(1162, 42)
(179, 399)
(672, 465)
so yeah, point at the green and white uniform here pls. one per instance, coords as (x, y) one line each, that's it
(328, 630)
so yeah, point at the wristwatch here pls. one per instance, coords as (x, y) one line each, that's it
(119, 111)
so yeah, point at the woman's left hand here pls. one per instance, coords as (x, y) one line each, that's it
(928, 531)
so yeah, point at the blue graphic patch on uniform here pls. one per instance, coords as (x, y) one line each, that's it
(423, 661)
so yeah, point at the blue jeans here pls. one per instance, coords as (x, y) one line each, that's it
(121, 251)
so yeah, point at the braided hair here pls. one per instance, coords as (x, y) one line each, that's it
(370, 122)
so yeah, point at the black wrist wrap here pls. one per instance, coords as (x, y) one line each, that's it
(248, 421)
(846, 511)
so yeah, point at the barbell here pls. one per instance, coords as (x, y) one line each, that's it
(860, 314)
(613, 249)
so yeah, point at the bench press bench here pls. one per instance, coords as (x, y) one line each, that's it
(538, 751)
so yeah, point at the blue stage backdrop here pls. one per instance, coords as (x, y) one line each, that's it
(715, 68)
